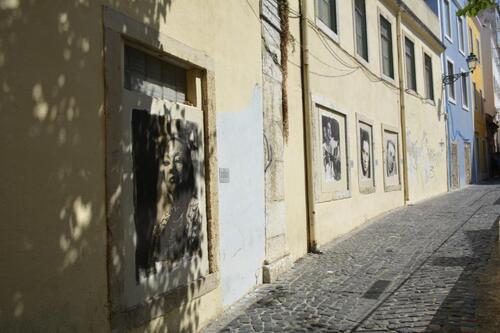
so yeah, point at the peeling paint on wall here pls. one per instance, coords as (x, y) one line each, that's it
(241, 201)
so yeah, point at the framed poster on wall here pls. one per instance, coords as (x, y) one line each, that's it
(366, 161)
(332, 153)
(390, 156)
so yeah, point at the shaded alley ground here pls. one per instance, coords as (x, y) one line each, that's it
(429, 267)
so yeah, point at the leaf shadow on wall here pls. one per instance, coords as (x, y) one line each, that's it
(53, 202)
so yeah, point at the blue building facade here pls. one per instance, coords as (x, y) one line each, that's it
(457, 99)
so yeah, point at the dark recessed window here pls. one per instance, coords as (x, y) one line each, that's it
(361, 34)
(386, 47)
(451, 86)
(411, 80)
(429, 84)
(327, 13)
(153, 76)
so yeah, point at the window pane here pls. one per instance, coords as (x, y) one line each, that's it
(471, 41)
(474, 94)
(429, 84)
(327, 13)
(478, 51)
(361, 35)
(386, 47)
(451, 87)
(460, 33)
(410, 65)
(154, 76)
(465, 95)
(448, 17)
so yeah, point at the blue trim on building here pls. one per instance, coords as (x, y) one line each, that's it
(460, 121)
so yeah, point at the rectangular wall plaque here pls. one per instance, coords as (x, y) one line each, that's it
(223, 175)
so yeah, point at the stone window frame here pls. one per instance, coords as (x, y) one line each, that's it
(448, 22)
(452, 86)
(407, 37)
(365, 189)
(121, 30)
(464, 85)
(461, 34)
(393, 129)
(328, 31)
(320, 196)
(428, 84)
(360, 57)
(383, 13)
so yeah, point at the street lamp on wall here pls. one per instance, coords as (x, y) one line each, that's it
(471, 64)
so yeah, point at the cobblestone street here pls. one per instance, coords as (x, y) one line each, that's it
(429, 267)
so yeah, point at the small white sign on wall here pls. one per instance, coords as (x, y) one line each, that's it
(223, 175)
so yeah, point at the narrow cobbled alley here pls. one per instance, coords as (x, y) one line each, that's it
(428, 267)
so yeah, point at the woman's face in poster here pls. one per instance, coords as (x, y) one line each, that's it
(174, 165)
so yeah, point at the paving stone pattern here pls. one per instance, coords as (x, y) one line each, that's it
(416, 269)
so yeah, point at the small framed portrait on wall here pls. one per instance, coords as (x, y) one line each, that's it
(390, 156)
(366, 162)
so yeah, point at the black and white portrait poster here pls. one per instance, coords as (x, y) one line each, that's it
(391, 158)
(168, 197)
(365, 150)
(333, 151)
(366, 165)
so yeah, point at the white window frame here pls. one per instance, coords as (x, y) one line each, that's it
(471, 40)
(453, 85)
(448, 21)
(359, 56)
(393, 38)
(324, 27)
(405, 37)
(461, 36)
(464, 79)
(424, 54)
(478, 47)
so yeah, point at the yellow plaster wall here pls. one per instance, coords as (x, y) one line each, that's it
(340, 79)
(295, 173)
(52, 198)
(425, 127)
(479, 113)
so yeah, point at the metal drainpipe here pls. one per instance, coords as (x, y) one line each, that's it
(402, 102)
(307, 112)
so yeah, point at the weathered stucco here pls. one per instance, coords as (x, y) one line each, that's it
(52, 130)
(425, 127)
(379, 102)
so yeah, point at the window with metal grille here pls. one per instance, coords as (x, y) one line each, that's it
(386, 47)
(153, 76)
(411, 80)
(429, 83)
(327, 13)
(361, 34)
